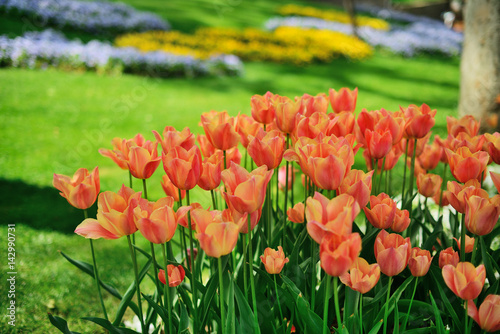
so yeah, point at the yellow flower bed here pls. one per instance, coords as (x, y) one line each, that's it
(285, 44)
(333, 15)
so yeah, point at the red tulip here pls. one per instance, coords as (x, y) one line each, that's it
(420, 262)
(338, 252)
(211, 170)
(481, 214)
(175, 275)
(420, 120)
(392, 252)
(81, 190)
(466, 166)
(183, 167)
(343, 100)
(465, 280)
(493, 146)
(488, 316)
(448, 256)
(378, 143)
(458, 194)
(467, 124)
(274, 260)
(431, 155)
(312, 104)
(401, 221)
(362, 277)
(296, 213)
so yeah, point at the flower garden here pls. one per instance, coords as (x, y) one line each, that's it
(305, 209)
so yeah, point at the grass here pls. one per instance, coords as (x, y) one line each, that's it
(54, 122)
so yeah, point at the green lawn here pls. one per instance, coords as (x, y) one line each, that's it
(54, 122)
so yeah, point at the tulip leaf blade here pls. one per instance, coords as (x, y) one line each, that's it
(109, 326)
(376, 327)
(437, 315)
(60, 324)
(490, 272)
(184, 319)
(230, 322)
(89, 270)
(247, 321)
(394, 298)
(208, 297)
(449, 308)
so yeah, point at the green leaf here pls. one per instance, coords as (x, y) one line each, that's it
(376, 327)
(437, 315)
(184, 320)
(488, 264)
(89, 270)
(449, 308)
(127, 298)
(231, 320)
(107, 325)
(185, 298)
(246, 318)
(60, 324)
(394, 298)
(208, 297)
(313, 323)
(160, 310)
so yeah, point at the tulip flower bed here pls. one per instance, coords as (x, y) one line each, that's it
(98, 17)
(284, 45)
(333, 15)
(50, 48)
(265, 259)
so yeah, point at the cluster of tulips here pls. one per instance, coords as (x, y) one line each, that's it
(255, 211)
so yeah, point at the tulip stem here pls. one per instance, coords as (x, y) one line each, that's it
(96, 273)
(412, 175)
(252, 284)
(336, 299)
(137, 283)
(191, 258)
(313, 274)
(443, 185)
(166, 290)
(214, 204)
(225, 159)
(403, 194)
(381, 173)
(474, 249)
(245, 267)
(221, 295)
(387, 304)
(286, 200)
(279, 305)
(145, 189)
(155, 266)
(409, 306)
(325, 305)
(462, 240)
(375, 167)
(96, 277)
(466, 318)
(361, 313)
(130, 179)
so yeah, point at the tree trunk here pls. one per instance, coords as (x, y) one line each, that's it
(480, 64)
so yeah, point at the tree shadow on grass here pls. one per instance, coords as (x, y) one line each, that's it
(38, 207)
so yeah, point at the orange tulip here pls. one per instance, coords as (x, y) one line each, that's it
(312, 104)
(247, 126)
(220, 130)
(267, 148)
(245, 191)
(429, 184)
(206, 148)
(326, 216)
(362, 277)
(493, 146)
(175, 275)
(467, 124)
(391, 159)
(469, 243)
(448, 256)
(495, 177)
(466, 166)
(312, 126)
(262, 108)
(121, 147)
(216, 233)
(401, 220)
(474, 143)
(458, 194)
(344, 124)
(378, 143)
(481, 214)
(430, 157)
(488, 316)
(420, 262)
(296, 214)
(183, 167)
(338, 252)
(382, 212)
(114, 216)
(343, 100)
(171, 190)
(420, 120)
(172, 138)
(143, 159)
(182, 215)
(274, 260)
(211, 170)
(81, 190)
(156, 221)
(286, 113)
(465, 280)
(358, 184)
(392, 252)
